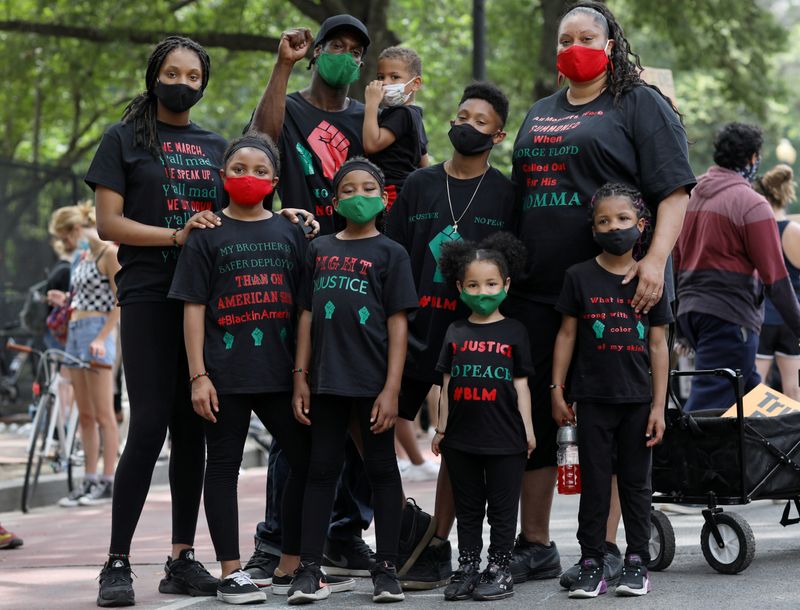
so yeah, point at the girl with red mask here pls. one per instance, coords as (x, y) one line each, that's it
(238, 284)
(606, 125)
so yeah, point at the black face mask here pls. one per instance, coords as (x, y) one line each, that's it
(177, 98)
(469, 141)
(618, 242)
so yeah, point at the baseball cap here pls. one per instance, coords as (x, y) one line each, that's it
(338, 22)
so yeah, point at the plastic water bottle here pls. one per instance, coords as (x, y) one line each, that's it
(569, 469)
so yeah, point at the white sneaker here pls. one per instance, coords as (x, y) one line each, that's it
(74, 497)
(427, 471)
(99, 493)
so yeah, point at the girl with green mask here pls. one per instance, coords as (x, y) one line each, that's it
(485, 431)
(351, 347)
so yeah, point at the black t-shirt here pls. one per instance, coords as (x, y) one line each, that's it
(351, 288)
(247, 275)
(403, 156)
(611, 362)
(564, 153)
(420, 220)
(483, 360)
(313, 145)
(161, 193)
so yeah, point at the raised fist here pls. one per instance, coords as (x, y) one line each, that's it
(331, 147)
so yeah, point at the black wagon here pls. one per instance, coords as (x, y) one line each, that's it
(723, 461)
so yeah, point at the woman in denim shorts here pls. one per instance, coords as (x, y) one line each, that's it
(91, 337)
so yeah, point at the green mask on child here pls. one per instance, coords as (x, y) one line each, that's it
(360, 208)
(338, 69)
(483, 304)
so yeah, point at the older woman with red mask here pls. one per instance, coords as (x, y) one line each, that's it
(607, 125)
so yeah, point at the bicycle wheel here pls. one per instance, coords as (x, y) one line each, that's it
(36, 455)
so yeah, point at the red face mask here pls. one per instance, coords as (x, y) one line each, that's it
(581, 64)
(248, 190)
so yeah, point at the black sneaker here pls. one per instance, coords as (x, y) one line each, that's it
(495, 583)
(260, 567)
(432, 569)
(99, 493)
(634, 580)
(534, 561)
(351, 557)
(386, 585)
(462, 582)
(416, 530)
(187, 576)
(74, 497)
(116, 584)
(336, 584)
(612, 568)
(590, 581)
(308, 585)
(238, 588)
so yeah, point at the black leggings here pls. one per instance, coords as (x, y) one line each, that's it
(157, 378)
(330, 416)
(478, 481)
(225, 441)
(600, 427)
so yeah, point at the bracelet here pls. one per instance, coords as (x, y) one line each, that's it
(194, 378)
(175, 238)
(553, 386)
(438, 431)
(306, 371)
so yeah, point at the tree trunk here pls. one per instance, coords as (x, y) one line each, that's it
(546, 83)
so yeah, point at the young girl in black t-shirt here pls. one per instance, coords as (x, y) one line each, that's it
(239, 283)
(626, 411)
(485, 432)
(351, 346)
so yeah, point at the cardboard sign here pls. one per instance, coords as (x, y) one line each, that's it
(763, 401)
(661, 78)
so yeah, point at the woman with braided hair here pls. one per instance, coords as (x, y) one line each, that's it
(777, 343)
(606, 125)
(156, 178)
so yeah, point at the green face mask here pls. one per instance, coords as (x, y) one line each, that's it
(483, 304)
(360, 209)
(338, 69)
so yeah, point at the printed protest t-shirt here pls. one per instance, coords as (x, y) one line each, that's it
(483, 360)
(247, 275)
(612, 358)
(420, 220)
(564, 153)
(351, 288)
(403, 156)
(162, 192)
(313, 146)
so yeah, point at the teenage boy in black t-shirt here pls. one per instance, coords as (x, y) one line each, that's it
(462, 198)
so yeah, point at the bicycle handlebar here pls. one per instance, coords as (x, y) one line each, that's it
(58, 355)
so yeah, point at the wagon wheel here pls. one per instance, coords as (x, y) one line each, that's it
(738, 544)
(662, 542)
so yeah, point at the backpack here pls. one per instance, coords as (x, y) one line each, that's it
(35, 309)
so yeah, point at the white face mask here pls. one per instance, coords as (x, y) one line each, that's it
(393, 95)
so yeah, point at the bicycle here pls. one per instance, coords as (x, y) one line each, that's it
(54, 427)
(12, 368)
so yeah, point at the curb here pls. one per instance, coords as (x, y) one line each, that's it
(52, 487)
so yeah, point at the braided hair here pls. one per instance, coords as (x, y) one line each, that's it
(503, 249)
(638, 205)
(142, 109)
(625, 68)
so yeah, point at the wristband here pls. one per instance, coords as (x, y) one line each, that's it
(438, 431)
(300, 371)
(194, 378)
(553, 386)
(175, 238)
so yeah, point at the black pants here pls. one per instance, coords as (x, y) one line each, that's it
(157, 377)
(225, 440)
(330, 416)
(600, 427)
(478, 481)
(542, 322)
